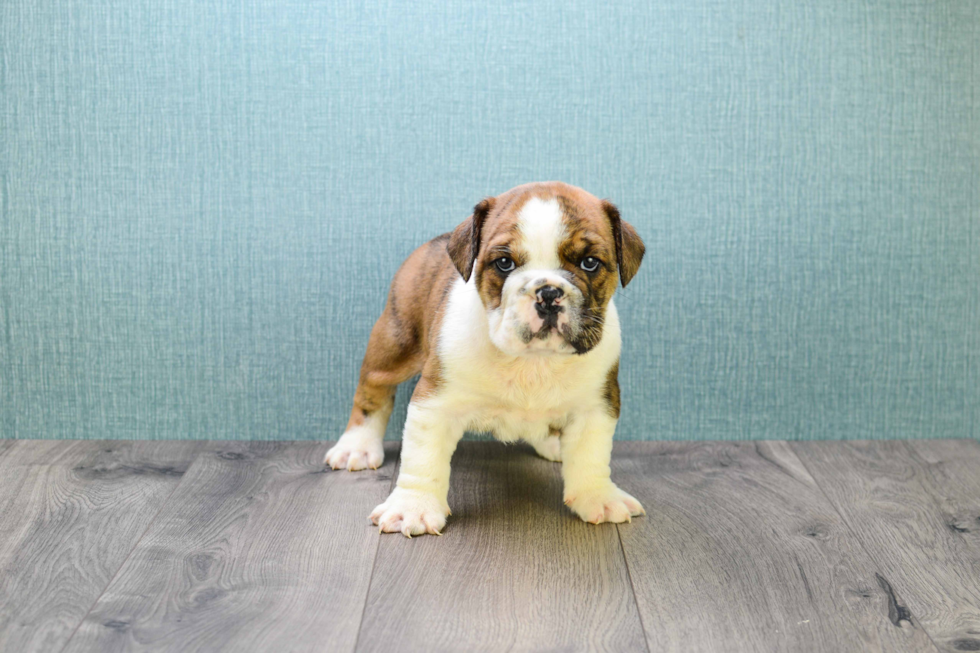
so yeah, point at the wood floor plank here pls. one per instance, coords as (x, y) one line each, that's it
(952, 478)
(896, 501)
(32, 452)
(513, 570)
(70, 513)
(740, 551)
(5, 445)
(259, 549)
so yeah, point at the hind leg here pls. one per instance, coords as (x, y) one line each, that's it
(361, 446)
(392, 356)
(549, 448)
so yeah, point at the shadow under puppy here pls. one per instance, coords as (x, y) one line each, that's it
(510, 321)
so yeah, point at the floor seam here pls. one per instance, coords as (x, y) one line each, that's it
(850, 528)
(374, 562)
(629, 576)
(202, 446)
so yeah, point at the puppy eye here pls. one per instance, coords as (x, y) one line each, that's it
(505, 264)
(589, 264)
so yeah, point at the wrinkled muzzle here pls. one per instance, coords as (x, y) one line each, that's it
(541, 311)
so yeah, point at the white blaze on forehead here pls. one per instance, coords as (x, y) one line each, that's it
(542, 229)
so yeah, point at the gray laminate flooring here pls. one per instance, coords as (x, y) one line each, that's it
(252, 546)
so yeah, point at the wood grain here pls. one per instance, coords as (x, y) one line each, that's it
(741, 551)
(255, 547)
(905, 503)
(259, 549)
(952, 478)
(5, 445)
(70, 513)
(513, 570)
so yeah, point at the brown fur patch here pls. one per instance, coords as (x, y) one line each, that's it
(464, 241)
(611, 392)
(500, 237)
(589, 234)
(431, 380)
(629, 245)
(402, 340)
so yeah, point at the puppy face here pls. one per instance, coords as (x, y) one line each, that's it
(546, 258)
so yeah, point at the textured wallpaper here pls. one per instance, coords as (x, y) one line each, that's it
(202, 203)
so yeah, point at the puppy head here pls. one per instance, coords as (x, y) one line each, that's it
(546, 258)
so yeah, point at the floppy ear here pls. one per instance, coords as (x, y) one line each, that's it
(464, 242)
(629, 245)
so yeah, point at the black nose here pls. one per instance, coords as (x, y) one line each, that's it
(548, 294)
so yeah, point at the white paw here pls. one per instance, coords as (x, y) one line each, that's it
(604, 504)
(411, 512)
(357, 449)
(549, 448)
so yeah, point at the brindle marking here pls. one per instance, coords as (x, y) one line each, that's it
(611, 391)
(401, 339)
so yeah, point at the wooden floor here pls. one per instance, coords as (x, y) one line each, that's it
(249, 546)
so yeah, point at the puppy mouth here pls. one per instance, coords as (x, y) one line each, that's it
(568, 340)
(545, 331)
(527, 335)
(549, 326)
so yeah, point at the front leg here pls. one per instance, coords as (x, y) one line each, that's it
(586, 449)
(419, 502)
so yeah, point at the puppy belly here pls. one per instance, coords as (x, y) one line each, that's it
(515, 426)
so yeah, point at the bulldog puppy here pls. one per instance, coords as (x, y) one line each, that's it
(510, 321)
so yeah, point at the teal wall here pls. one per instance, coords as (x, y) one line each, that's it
(203, 202)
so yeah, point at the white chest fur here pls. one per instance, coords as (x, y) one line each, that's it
(515, 396)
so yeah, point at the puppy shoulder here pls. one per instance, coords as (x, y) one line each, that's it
(419, 287)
